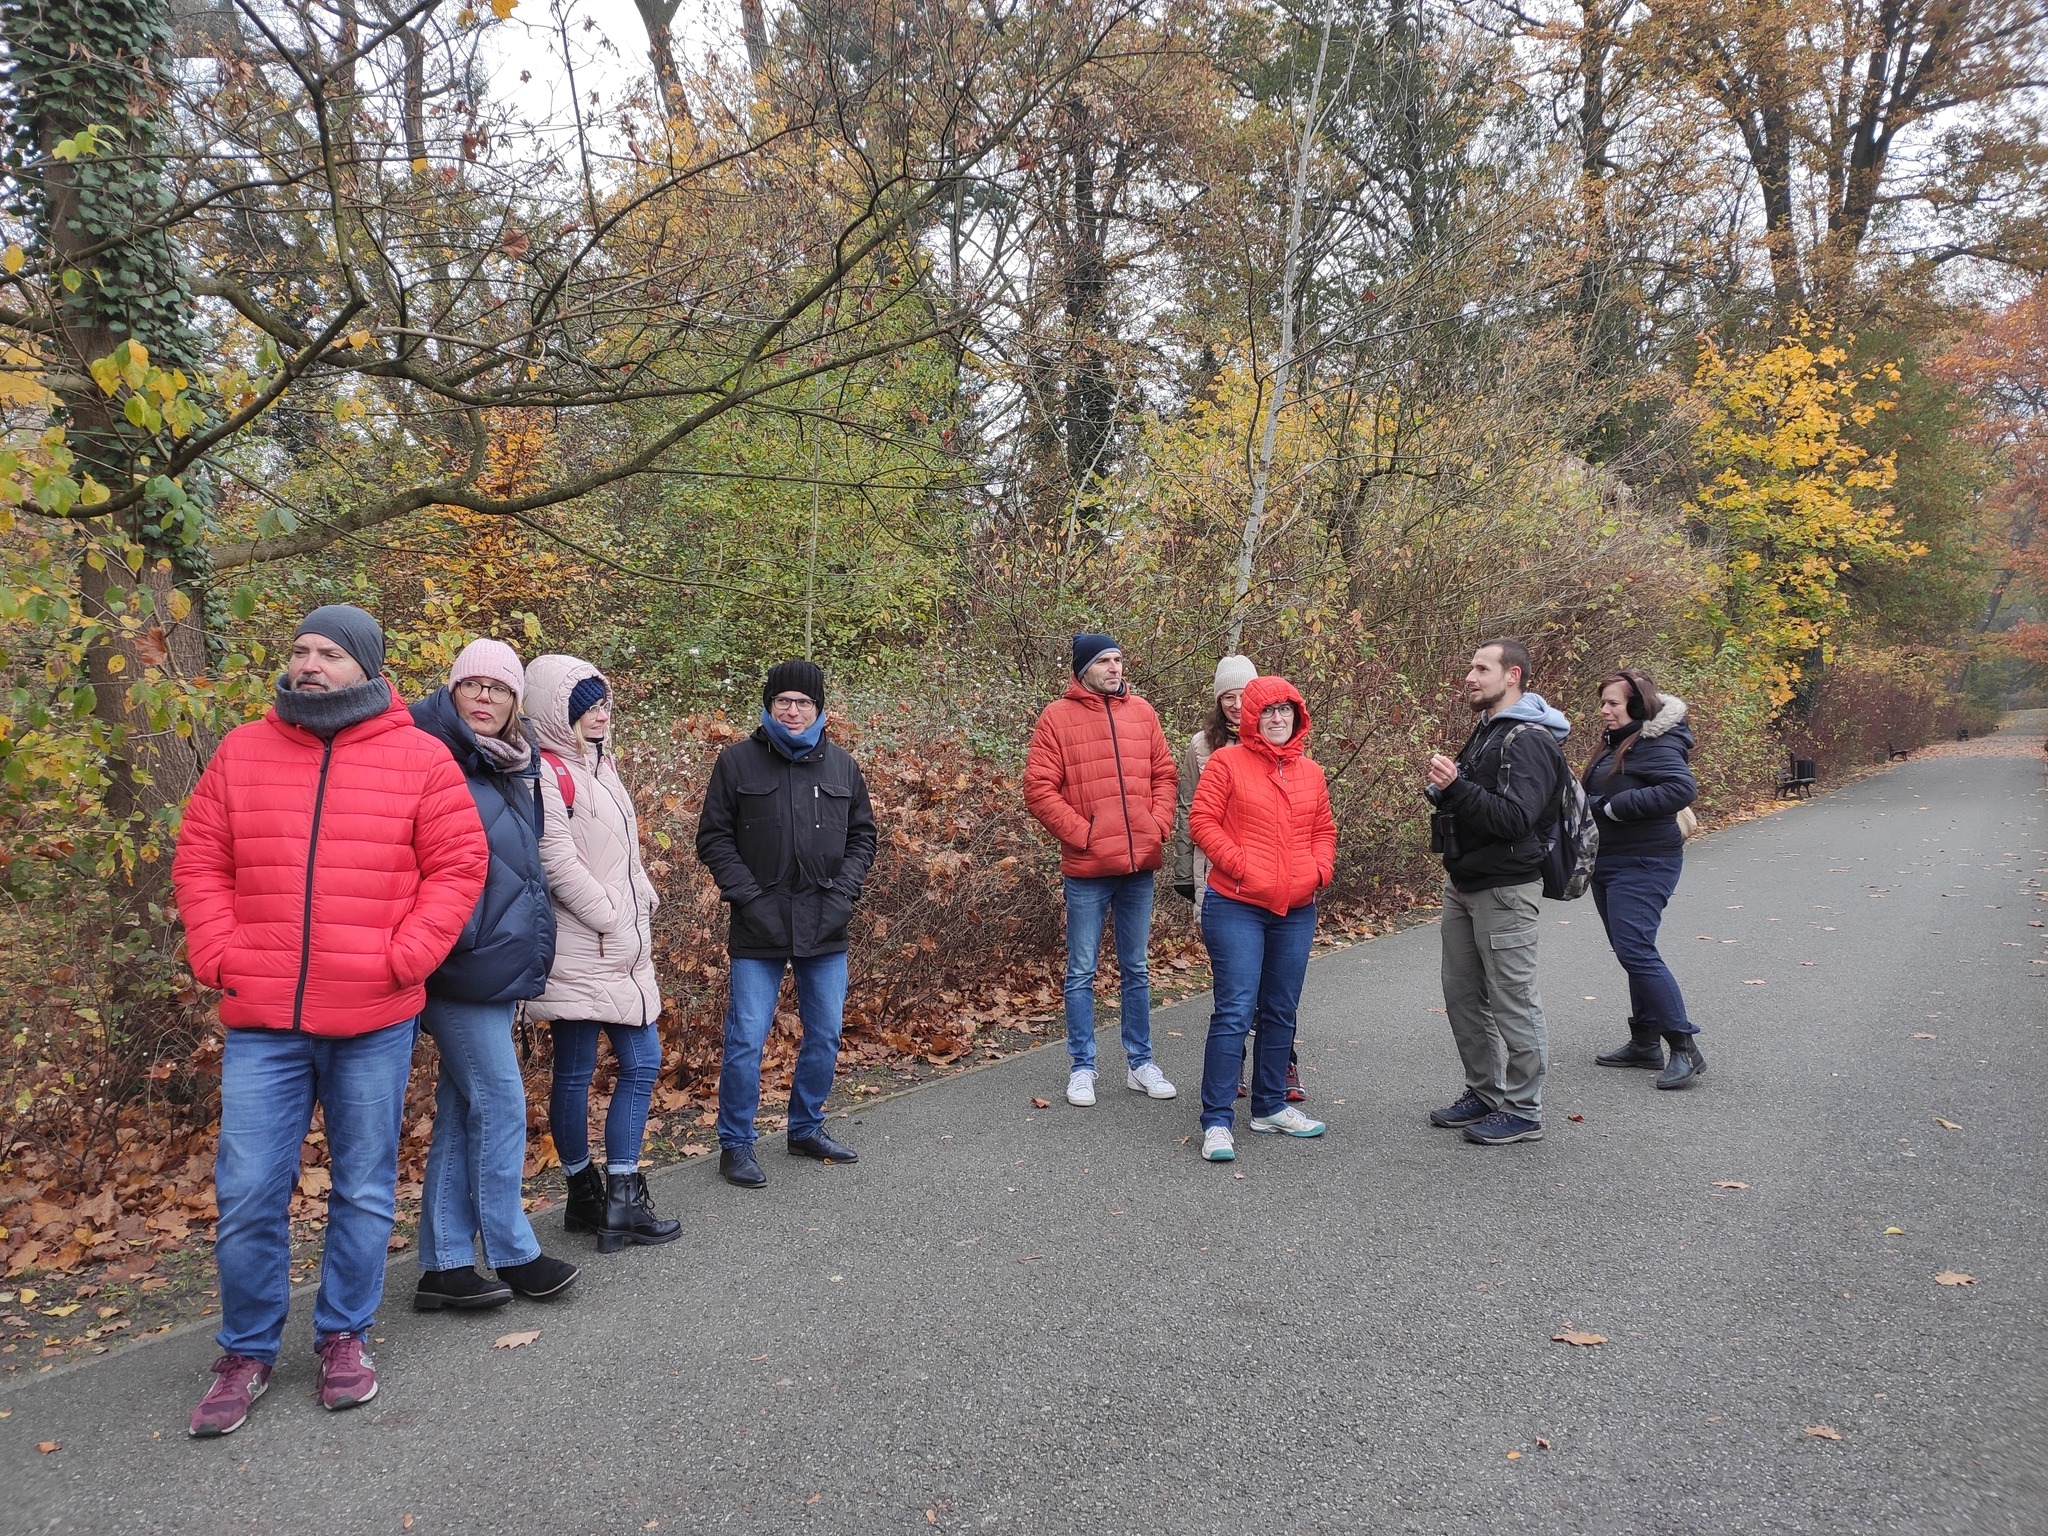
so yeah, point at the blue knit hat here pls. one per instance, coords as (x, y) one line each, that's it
(1088, 647)
(587, 693)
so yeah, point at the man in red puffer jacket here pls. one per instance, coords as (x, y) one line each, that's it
(1100, 778)
(329, 860)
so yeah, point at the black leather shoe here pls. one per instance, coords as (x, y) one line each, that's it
(823, 1148)
(1644, 1049)
(630, 1217)
(540, 1279)
(739, 1167)
(1687, 1063)
(462, 1289)
(586, 1200)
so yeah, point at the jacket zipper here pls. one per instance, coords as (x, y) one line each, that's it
(312, 852)
(1116, 756)
(633, 891)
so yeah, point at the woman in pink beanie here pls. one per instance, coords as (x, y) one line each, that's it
(478, 1154)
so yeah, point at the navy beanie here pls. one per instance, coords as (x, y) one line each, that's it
(804, 677)
(351, 629)
(1088, 647)
(584, 695)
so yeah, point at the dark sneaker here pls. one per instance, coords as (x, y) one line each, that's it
(463, 1289)
(1295, 1092)
(540, 1279)
(1242, 1091)
(237, 1382)
(1468, 1109)
(1500, 1128)
(348, 1377)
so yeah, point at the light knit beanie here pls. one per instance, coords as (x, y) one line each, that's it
(1233, 672)
(493, 659)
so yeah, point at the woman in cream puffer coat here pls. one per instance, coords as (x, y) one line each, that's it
(603, 978)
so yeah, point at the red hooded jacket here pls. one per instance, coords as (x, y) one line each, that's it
(1262, 813)
(1100, 778)
(321, 883)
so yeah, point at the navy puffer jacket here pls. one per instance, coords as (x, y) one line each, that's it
(1638, 805)
(508, 945)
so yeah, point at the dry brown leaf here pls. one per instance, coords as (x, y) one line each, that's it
(1514, 1455)
(1755, 981)
(1041, 1103)
(515, 1340)
(1946, 1125)
(1823, 1432)
(1923, 1036)
(1575, 1337)
(1729, 1184)
(1954, 1277)
(931, 1517)
(408, 1522)
(1542, 1444)
(47, 1446)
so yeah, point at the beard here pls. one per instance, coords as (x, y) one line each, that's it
(1481, 703)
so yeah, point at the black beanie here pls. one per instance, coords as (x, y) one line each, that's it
(804, 677)
(585, 695)
(351, 629)
(1088, 647)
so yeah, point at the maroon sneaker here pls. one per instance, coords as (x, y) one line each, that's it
(237, 1382)
(1295, 1092)
(348, 1377)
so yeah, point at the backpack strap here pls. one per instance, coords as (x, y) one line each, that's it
(563, 782)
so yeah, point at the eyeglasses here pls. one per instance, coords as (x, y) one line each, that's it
(478, 688)
(794, 702)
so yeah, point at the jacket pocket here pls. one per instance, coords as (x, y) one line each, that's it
(758, 830)
(762, 923)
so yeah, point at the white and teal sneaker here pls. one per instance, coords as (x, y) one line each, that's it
(1218, 1145)
(1289, 1122)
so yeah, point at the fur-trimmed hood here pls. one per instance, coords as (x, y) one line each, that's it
(1672, 713)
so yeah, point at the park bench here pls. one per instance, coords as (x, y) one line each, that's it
(1800, 772)
(1894, 754)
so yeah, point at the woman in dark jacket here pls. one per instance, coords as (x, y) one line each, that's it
(1637, 783)
(478, 1155)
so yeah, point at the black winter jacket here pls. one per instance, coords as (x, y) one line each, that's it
(508, 945)
(1638, 807)
(789, 844)
(1502, 802)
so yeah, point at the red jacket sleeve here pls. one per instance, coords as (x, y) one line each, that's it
(1323, 833)
(454, 857)
(203, 874)
(1206, 815)
(1165, 781)
(1045, 778)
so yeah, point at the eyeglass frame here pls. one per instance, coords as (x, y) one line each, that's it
(485, 688)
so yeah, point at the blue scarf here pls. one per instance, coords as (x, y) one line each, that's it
(792, 746)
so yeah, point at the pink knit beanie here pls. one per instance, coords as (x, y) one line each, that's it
(493, 659)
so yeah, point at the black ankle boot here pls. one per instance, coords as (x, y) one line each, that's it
(586, 1200)
(629, 1216)
(1686, 1062)
(1643, 1049)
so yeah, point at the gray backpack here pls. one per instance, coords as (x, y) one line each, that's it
(1571, 835)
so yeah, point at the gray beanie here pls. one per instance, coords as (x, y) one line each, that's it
(351, 629)
(1233, 672)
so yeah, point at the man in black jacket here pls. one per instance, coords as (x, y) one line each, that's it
(1496, 803)
(788, 833)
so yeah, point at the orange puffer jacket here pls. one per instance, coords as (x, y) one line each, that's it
(1262, 813)
(321, 883)
(1100, 778)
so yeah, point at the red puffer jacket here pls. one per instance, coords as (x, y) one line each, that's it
(1100, 778)
(1262, 813)
(321, 883)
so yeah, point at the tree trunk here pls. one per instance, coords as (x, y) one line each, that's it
(657, 16)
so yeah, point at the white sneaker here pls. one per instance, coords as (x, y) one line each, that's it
(1289, 1122)
(1081, 1088)
(1218, 1145)
(1148, 1079)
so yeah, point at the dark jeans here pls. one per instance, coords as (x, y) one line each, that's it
(1630, 891)
(1259, 960)
(820, 1003)
(638, 1048)
(478, 1155)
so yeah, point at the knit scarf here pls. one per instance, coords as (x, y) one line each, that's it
(328, 714)
(505, 756)
(792, 746)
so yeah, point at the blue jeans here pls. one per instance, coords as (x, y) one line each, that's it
(478, 1156)
(1089, 902)
(270, 1080)
(820, 1003)
(638, 1048)
(1259, 961)
(1630, 891)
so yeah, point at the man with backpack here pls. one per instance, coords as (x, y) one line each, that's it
(1495, 823)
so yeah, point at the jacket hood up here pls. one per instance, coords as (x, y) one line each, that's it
(1260, 693)
(1673, 713)
(549, 681)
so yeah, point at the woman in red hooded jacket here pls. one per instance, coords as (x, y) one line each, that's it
(1262, 815)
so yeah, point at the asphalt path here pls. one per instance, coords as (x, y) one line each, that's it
(1012, 1318)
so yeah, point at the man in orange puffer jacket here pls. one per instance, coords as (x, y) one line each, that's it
(328, 861)
(1100, 778)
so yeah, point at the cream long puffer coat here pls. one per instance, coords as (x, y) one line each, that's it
(604, 902)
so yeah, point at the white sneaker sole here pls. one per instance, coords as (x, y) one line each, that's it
(1314, 1128)
(1153, 1093)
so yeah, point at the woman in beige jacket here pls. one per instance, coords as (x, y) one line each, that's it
(603, 977)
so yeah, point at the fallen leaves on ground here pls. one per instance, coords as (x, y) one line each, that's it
(1894, 1231)
(1542, 1444)
(1575, 1337)
(1729, 1184)
(515, 1340)
(1514, 1455)
(1946, 1125)
(1923, 1036)
(1041, 1103)
(1580, 1118)
(1822, 1431)
(47, 1446)
(1754, 981)
(1954, 1277)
